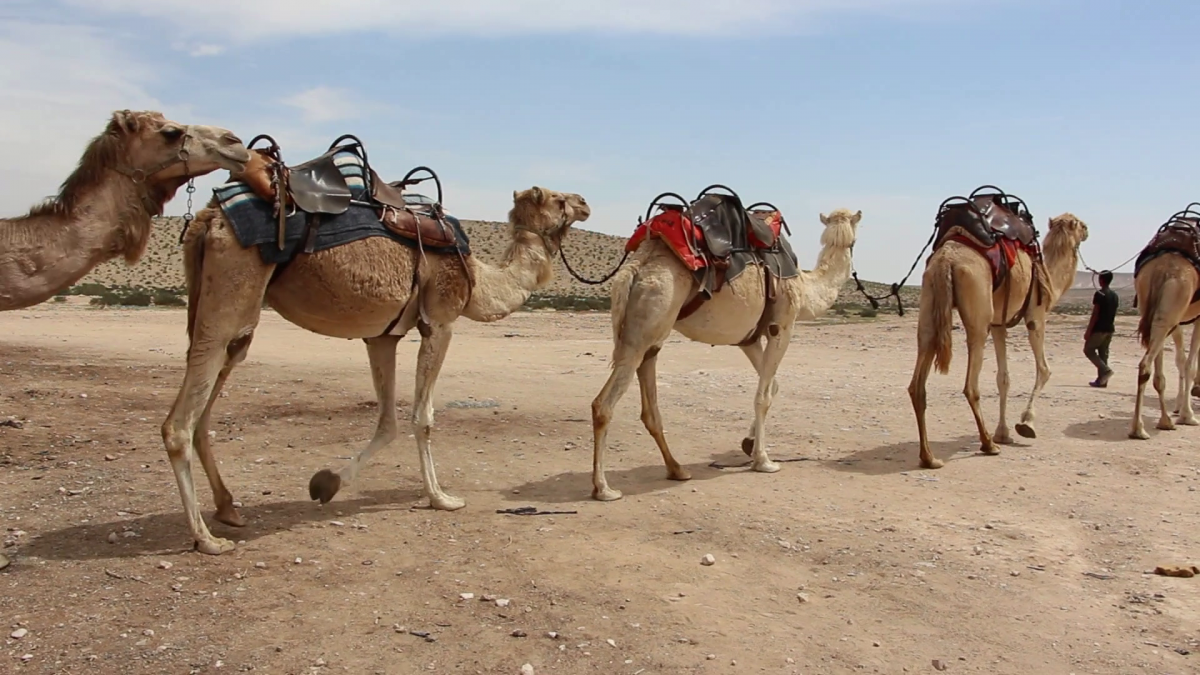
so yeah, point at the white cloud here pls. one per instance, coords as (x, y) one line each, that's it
(331, 104)
(206, 50)
(275, 18)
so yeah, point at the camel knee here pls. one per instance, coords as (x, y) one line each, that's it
(175, 440)
(600, 416)
(237, 348)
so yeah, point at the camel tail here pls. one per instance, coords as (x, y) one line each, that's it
(622, 283)
(193, 265)
(1150, 303)
(939, 288)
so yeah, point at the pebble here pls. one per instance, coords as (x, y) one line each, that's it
(527, 669)
(260, 565)
(802, 597)
(164, 565)
(19, 633)
(502, 602)
(611, 643)
(552, 635)
(466, 596)
(110, 458)
(708, 559)
(112, 537)
(518, 633)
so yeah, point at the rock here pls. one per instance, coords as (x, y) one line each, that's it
(803, 598)
(260, 565)
(552, 635)
(148, 632)
(708, 559)
(18, 633)
(466, 596)
(3, 561)
(611, 643)
(518, 633)
(164, 565)
(527, 669)
(110, 458)
(938, 665)
(502, 602)
(112, 537)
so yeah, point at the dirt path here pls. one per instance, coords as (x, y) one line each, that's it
(849, 560)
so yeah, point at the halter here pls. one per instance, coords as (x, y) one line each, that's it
(139, 176)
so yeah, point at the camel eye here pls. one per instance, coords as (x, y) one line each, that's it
(172, 133)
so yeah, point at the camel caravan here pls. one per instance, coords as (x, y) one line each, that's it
(337, 250)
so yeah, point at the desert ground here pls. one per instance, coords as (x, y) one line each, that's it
(851, 559)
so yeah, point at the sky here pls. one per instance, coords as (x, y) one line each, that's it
(888, 106)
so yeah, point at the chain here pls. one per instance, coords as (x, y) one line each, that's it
(187, 217)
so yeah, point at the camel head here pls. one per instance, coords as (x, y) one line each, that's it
(547, 213)
(1069, 227)
(163, 151)
(841, 228)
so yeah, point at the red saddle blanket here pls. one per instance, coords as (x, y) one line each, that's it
(686, 239)
(1001, 256)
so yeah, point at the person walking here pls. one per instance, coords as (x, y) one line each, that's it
(1100, 329)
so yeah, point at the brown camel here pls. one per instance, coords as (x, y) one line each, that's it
(351, 291)
(103, 209)
(957, 276)
(647, 296)
(1165, 286)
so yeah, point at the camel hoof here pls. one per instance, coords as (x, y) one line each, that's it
(1003, 439)
(766, 467)
(748, 446)
(230, 516)
(1139, 435)
(447, 503)
(933, 463)
(1165, 425)
(1026, 430)
(989, 449)
(679, 473)
(1188, 421)
(606, 495)
(215, 546)
(324, 485)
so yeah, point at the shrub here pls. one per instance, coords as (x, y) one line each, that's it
(60, 298)
(165, 298)
(868, 313)
(136, 299)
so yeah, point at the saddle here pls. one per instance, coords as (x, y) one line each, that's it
(318, 187)
(1179, 235)
(996, 225)
(717, 237)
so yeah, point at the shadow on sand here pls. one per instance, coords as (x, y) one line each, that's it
(905, 456)
(575, 487)
(167, 533)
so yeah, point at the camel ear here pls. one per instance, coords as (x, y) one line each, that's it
(824, 219)
(516, 195)
(856, 217)
(125, 121)
(538, 195)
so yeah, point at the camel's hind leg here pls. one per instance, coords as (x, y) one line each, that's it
(754, 352)
(652, 417)
(1160, 387)
(917, 392)
(1000, 342)
(435, 342)
(226, 312)
(226, 512)
(1153, 353)
(776, 349)
(976, 340)
(1187, 371)
(1037, 344)
(381, 352)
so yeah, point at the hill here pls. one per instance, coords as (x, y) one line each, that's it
(592, 254)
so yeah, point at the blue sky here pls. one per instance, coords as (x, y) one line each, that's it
(888, 106)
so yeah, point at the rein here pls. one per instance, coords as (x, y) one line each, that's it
(894, 292)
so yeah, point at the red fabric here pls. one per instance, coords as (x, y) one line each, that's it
(1003, 247)
(775, 222)
(677, 232)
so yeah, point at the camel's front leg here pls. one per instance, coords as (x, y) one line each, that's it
(754, 352)
(1160, 386)
(1186, 415)
(777, 346)
(626, 360)
(1037, 343)
(435, 341)
(1000, 341)
(1157, 339)
(652, 416)
(381, 353)
(976, 341)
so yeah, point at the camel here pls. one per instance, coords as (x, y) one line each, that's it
(647, 296)
(351, 291)
(1165, 286)
(957, 276)
(104, 208)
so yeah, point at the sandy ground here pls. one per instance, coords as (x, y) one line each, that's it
(849, 560)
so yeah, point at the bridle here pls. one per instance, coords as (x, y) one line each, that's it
(138, 176)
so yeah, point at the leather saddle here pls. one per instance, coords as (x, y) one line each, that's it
(318, 187)
(988, 216)
(1180, 234)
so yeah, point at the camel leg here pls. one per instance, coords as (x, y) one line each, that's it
(916, 392)
(652, 417)
(1188, 372)
(1160, 386)
(1180, 366)
(228, 308)
(777, 346)
(1157, 339)
(754, 352)
(626, 360)
(381, 352)
(435, 341)
(226, 512)
(976, 340)
(1000, 341)
(1037, 343)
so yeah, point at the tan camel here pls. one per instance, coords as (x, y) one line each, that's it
(647, 295)
(352, 291)
(1165, 286)
(103, 209)
(957, 276)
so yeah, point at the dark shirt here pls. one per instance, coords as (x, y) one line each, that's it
(1106, 299)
